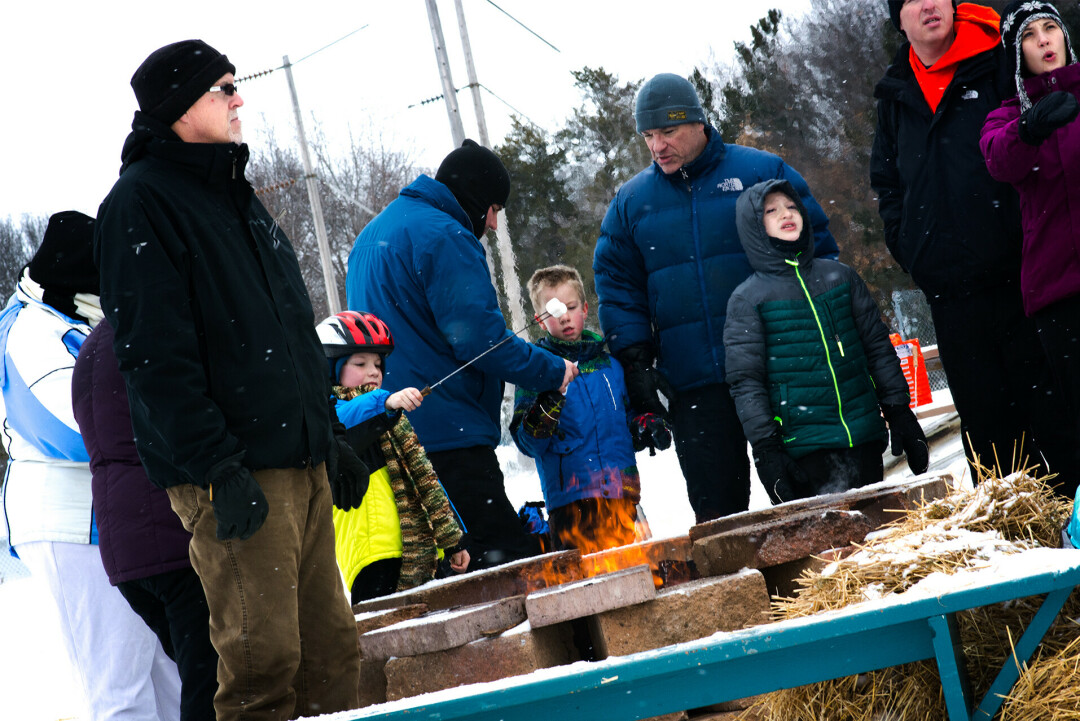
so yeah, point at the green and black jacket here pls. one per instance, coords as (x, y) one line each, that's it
(807, 353)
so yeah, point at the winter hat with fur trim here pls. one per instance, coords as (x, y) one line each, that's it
(478, 180)
(894, 13)
(1016, 17)
(172, 78)
(665, 100)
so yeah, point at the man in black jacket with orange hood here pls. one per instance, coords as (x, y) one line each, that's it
(215, 336)
(957, 231)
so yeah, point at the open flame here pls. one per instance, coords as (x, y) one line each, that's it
(608, 533)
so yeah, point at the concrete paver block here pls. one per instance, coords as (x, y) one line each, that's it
(441, 630)
(590, 596)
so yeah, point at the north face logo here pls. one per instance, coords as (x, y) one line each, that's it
(971, 95)
(676, 115)
(730, 185)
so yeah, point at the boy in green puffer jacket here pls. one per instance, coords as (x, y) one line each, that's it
(809, 361)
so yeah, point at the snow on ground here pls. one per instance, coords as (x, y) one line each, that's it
(36, 681)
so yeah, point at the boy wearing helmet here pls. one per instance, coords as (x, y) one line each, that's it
(395, 539)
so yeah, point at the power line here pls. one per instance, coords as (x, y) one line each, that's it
(437, 98)
(261, 73)
(524, 26)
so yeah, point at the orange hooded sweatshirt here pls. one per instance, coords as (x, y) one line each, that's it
(977, 30)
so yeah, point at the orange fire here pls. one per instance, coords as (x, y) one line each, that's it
(608, 534)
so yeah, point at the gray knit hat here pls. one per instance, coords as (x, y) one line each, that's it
(667, 100)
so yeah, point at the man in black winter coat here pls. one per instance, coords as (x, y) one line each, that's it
(215, 337)
(957, 232)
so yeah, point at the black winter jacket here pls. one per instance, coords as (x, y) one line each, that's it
(215, 333)
(807, 353)
(947, 222)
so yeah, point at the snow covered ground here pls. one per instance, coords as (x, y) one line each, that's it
(36, 681)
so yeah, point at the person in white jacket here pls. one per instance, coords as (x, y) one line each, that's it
(47, 515)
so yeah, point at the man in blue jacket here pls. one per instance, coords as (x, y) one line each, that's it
(420, 267)
(667, 261)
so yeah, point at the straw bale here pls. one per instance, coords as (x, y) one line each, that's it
(962, 530)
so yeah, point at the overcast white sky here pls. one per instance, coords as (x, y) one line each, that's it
(65, 68)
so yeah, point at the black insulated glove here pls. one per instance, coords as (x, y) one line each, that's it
(542, 418)
(347, 474)
(907, 437)
(1039, 121)
(349, 481)
(239, 504)
(649, 430)
(643, 382)
(778, 472)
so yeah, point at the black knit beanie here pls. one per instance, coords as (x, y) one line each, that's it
(1014, 19)
(478, 179)
(894, 12)
(64, 263)
(172, 78)
(666, 100)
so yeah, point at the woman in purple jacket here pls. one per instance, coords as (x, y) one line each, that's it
(144, 547)
(1033, 142)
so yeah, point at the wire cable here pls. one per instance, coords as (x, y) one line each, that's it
(523, 25)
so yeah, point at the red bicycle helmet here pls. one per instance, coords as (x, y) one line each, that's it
(353, 331)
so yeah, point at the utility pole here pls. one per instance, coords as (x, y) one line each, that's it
(333, 303)
(474, 85)
(456, 128)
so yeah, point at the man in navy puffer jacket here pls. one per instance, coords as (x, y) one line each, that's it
(666, 263)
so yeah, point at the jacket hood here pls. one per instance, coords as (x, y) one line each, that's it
(760, 250)
(589, 346)
(440, 196)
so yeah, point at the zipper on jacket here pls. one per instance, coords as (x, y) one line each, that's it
(828, 356)
(700, 269)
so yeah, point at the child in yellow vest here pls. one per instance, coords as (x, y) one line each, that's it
(405, 525)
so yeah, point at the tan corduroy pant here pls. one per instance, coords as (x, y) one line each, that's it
(279, 618)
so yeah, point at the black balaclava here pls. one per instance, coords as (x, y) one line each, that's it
(478, 180)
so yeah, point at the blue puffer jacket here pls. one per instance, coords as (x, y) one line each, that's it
(669, 257)
(419, 268)
(591, 454)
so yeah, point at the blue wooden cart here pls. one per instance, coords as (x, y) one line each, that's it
(766, 658)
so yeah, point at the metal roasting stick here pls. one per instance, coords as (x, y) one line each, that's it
(553, 309)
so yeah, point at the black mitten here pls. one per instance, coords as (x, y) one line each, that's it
(643, 382)
(350, 481)
(907, 437)
(1039, 121)
(542, 418)
(649, 430)
(778, 472)
(239, 504)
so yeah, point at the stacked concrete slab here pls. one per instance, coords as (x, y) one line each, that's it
(562, 608)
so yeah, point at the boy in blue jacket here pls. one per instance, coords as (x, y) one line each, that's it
(583, 442)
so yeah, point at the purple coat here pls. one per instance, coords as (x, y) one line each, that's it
(1047, 177)
(138, 533)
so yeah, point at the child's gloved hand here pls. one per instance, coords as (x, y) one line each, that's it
(907, 437)
(649, 430)
(778, 472)
(406, 399)
(542, 418)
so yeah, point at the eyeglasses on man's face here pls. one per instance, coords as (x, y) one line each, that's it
(228, 88)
